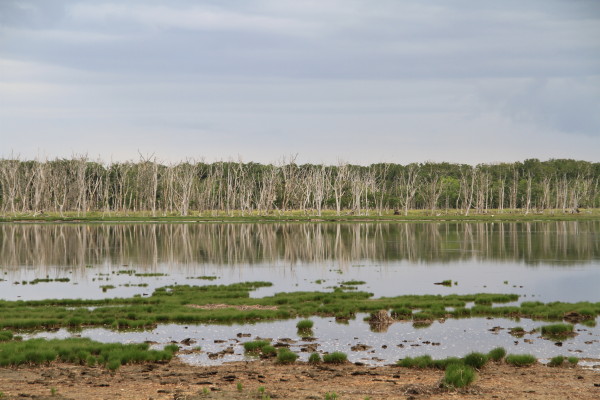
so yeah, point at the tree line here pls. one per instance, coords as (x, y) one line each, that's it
(83, 185)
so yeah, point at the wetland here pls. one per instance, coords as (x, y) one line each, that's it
(377, 292)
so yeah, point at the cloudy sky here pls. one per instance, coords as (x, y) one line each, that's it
(356, 80)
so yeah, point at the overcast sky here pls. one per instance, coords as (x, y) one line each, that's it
(360, 81)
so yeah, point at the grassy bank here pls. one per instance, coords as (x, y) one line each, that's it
(83, 351)
(192, 304)
(301, 216)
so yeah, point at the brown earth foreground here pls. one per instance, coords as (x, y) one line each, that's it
(178, 381)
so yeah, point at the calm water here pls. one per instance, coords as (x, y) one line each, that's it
(557, 261)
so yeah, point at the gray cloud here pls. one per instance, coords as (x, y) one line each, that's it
(395, 81)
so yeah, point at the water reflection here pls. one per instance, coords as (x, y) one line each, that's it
(563, 243)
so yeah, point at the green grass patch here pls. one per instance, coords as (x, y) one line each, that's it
(204, 277)
(475, 360)
(497, 354)
(573, 360)
(255, 346)
(286, 356)
(424, 361)
(184, 304)
(80, 351)
(557, 330)
(5, 336)
(556, 361)
(305, 325)
(353, 283)
(45, 280)
(337, 357)
(314, 358)
(520, 360)
(458, 376)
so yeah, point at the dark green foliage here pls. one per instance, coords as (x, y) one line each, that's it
(497, 354)
(475, 360)
(286, 356)
(520, 360)
(458, 376)
(337, 357)
(573, 360)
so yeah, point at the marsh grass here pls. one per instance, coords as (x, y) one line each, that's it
(520, 360)
(305, 325)
(286, 356)
(517, 331)
(45, 280)
(314, 358)
(556, 361)
(255, 347)
(353, 283)
(424, 361)
(6, 336)
(476, 360)
(559, 331)
(458, 376)
(497, 354)
(81, 351)
(337, 357)
(268, 351)
(171, 304)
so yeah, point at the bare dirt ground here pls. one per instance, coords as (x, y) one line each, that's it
(243, 380)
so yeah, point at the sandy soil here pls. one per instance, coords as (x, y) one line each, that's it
(178, 381)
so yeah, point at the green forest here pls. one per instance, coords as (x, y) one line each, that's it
(82, 185)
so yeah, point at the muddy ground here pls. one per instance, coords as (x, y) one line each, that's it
(243, 380)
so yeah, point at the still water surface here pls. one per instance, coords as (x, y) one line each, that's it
(558, 261)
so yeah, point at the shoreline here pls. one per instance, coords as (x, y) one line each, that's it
(268, 380)
(297, 217)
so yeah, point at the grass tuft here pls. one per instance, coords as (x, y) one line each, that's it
(520, 360)
(556, 361)
(286, 356)
(475, 360)
(314, 358)
(337, 357)
(497, 354)
(557, 330)
(304, 325)
(458, 376)
(418, 362)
